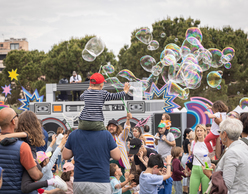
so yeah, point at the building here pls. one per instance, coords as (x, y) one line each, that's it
(11, 44)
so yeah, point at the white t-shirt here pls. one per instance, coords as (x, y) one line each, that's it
(76, 78)
(200, 149)
(215, 127)
(59, 139)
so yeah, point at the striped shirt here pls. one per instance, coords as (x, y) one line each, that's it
(94, 100)
(149, 140)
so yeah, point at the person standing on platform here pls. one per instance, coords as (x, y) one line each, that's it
(75, 78)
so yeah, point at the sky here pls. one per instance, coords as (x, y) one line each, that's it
(48, 22)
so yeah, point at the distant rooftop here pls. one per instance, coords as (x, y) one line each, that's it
(15, 39)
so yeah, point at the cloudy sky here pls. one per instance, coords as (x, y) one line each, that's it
(48, 22)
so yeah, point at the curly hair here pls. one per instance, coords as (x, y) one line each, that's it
(29, 123)
(244, 119)
(219, 106)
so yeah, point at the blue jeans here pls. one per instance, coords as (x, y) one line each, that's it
(59, 162)
(178, 187)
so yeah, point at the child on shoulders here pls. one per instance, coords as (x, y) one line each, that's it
(91, 118)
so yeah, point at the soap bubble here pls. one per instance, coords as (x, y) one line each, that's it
(153, 45)
(214, 79)
(243, 102)
(218, 87)
(228, 65)
(95, 46)
(125, 73)
(176, 39)
(229, 52)
(216, 57)
(87, 56)
(157, 69)
(192, 44)
(144, 35)
(114, 81)
(224, 59)
(152, 79)
(176, 49)
(165, 72)
(147, 62)
(175, 89)
(176, 132)
(185, 50)
(194, 32)
(162, 35)
(108, 69)
(169, 60)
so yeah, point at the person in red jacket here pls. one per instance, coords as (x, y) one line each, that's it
(178, 170)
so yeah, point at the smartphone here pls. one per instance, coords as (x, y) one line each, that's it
(202, 163)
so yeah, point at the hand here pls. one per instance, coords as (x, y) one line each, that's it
(89, 88)
(126, 175)
(141, 155)
(64, 139)
(168, 159)
(164, 138)
(129, 116)
(133, 184)
(54, 137)
(126, 87)
(206, 112)
(208, 106)
(146, 159)
(208, 173)
(213, 166)
(156, 136)
(218, 120)
(130, 177)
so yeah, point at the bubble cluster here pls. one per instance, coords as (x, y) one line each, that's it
(243, 102)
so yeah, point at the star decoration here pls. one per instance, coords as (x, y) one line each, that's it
(168, 98)
(6, 90)
(28, 98)
(13, 74)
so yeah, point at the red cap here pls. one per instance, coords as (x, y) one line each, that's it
(97, 78)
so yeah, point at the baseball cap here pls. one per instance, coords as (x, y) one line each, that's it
(97, 78)
(113, 121)
(74, 73)
(68, 166)
(135, 145)
(41, 156)
(161, 125)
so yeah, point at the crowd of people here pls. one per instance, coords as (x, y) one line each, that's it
(99, 159)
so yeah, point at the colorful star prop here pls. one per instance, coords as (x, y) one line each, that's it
(13, 74)
(168, 98)
(6, 90)
(142, 122)
(28, 98)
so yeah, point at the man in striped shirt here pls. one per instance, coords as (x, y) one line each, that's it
(91, 118)
(149, 138)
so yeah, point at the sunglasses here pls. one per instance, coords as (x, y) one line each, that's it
(14, 117)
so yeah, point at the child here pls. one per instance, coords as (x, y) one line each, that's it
(176, 152)
(58, 141)
(165, 140)
(68, 176)
(166, 120)
(115, 174)
(166, 187)
(47, 165)
(219, 109)
(150, 179)
(91, 118)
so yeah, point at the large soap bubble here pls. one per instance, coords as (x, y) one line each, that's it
(153, 45)
(175, 89)
(192, 44)
(88, 56)
(95, 46)
(176, 49)
(108, 69)
(147, 62)
(114, 81)
(125, 73)
(216, 57)
(194, 32)
(214, 78)
(144, 35)
(229, 52)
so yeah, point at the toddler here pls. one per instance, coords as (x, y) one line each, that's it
(91, 118)
(68, 176)
(166, 120)
(117, 186)
(218, 108)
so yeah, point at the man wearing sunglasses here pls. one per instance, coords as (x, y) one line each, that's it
(15, 155)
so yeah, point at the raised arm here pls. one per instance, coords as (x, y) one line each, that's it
(114, 96)
(211, 116)
(168, 165)
(127, 126)
(14, 135)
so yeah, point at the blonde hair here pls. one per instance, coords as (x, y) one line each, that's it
(167, 117)
(202, 126)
